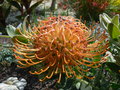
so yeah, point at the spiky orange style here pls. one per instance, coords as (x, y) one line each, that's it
(60, 45)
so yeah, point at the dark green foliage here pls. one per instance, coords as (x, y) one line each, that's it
(114, 67)
(104, 79)
(73, 84)
(6, 55)
(112, 25)
(4, 12)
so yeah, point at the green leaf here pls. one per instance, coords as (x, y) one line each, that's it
(115, 20)
(78, 85)
(5, 36)
(24, 24)
(106, 19)
(15, 4)
(107, 16)
(20, 38)
(113, 31)
(7, 12)
(19, 29)
(11, 30)
(84, 85)
(34, 6)
(103, 23)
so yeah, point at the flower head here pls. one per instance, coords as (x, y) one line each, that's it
(60, 45)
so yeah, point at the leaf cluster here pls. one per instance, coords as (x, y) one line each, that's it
(6, 55)
(112, 25)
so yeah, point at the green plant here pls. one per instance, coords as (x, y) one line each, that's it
(73, 84)
(115, 2)
(105, 79)
(112, 25)
(88, 9)
(4, 12)
(6, 55)
(24, 6)
(114, 7)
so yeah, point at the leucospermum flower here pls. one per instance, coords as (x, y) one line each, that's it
(60, 45)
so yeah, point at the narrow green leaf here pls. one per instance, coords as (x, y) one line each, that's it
(7, 11)
(107, 20)
(29, 28)
(24, 24)
(5, 36)
(102, 22)
(107, 16)
(20, 38)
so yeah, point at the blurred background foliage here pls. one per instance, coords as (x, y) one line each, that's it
(4, 12)
(114, 7)
(88, 9)
(107, 77)
(24, 6)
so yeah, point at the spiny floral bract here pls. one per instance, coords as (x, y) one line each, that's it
(60, 45)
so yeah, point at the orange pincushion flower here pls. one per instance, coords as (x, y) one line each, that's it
(60, 45)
